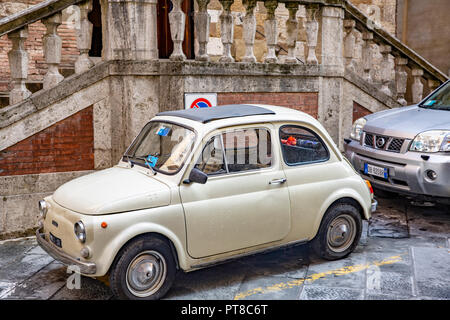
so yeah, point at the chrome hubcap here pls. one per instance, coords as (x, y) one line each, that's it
(146, 273)
(341, 233)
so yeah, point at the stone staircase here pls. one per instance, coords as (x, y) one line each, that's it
(84, 122)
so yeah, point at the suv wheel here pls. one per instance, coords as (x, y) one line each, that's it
(144, 270)
(339, 232)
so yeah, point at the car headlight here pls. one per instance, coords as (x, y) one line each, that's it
(431, 141)
(80, 231)
(357, 128)
(43, 208)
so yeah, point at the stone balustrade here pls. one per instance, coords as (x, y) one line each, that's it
(335, 32)
(50, 14)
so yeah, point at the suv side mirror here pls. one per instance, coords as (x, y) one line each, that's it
(197, 176)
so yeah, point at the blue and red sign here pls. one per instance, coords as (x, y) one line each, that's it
(200, 103)
(200, 100)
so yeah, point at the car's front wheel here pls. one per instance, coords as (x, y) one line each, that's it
(145, 270)
(339, 232)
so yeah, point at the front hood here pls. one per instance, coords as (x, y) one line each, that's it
(112, 190)
(407, 122)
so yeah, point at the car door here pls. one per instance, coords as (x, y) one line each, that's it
(245, 201)
(312, 173)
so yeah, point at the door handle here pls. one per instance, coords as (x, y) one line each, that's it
(278, 181)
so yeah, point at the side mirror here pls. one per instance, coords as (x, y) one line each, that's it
(197, 176)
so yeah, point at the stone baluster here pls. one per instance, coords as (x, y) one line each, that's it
(349, 44)
(18, 64)
(367, 55)
(271, 30)
(202, 20)
(177, 20)
(433, 84)
(401, 78)
(417, 86)
(226, 30)
(84, 38)
(249, 26)
(52, 50)
(292, 31)
(312, 32)
(385, 50)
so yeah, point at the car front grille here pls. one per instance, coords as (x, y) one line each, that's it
(382, 142)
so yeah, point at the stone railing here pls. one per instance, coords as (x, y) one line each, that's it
(49, 13)
(338, 37)
(384, 61)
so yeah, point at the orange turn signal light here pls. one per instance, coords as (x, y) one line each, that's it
(104, 224)
(369, 185)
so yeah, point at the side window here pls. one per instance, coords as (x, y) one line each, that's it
(236, 151)
(247, 149)
(211, 160)
(300, 145)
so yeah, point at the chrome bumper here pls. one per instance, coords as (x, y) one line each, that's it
(374, 205)
(58, 254)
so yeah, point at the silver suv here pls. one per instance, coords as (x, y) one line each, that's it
(406, 150)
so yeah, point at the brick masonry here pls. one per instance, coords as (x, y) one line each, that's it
(68, 145)
(359, 111)
(302, 101)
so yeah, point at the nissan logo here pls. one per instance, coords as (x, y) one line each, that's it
(380, 142)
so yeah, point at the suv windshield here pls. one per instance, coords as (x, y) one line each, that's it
(162, 146)
(439, 100)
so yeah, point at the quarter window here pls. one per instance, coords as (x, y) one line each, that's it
(300, 145)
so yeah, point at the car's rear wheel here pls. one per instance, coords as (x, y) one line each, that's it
(339, 232)
(145, 270)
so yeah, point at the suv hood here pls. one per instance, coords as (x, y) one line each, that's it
(112, 190)
(407, 122)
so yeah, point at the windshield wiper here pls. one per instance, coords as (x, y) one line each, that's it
(147, 164)
(129, 161)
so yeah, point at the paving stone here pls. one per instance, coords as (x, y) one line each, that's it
(90, 289)
(432, 272)
(42, 285)
(389, 221)
(330, 293)
(218, 282)
(338, 279)
(269, 288)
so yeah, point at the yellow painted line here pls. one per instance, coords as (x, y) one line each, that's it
(336, 272)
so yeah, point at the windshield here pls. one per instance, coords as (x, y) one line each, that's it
(162, 146)
(439, 100)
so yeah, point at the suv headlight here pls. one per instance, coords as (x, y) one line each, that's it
(43, 208)
(431, 141)
(357, 128)
(80, 231)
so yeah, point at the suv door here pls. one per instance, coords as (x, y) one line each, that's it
(245, 201)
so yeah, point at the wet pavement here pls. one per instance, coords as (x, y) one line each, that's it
(404, 253)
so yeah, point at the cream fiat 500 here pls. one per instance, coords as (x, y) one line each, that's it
(202, 186)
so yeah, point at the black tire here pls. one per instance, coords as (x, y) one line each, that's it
(147, 253)
(341, 219)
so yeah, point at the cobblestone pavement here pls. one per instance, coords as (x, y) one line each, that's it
(404, 253)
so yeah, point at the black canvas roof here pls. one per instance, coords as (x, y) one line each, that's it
(205, 115)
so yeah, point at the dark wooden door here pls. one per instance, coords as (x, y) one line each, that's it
(165, 44)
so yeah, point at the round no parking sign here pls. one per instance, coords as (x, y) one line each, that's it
(199, 100)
